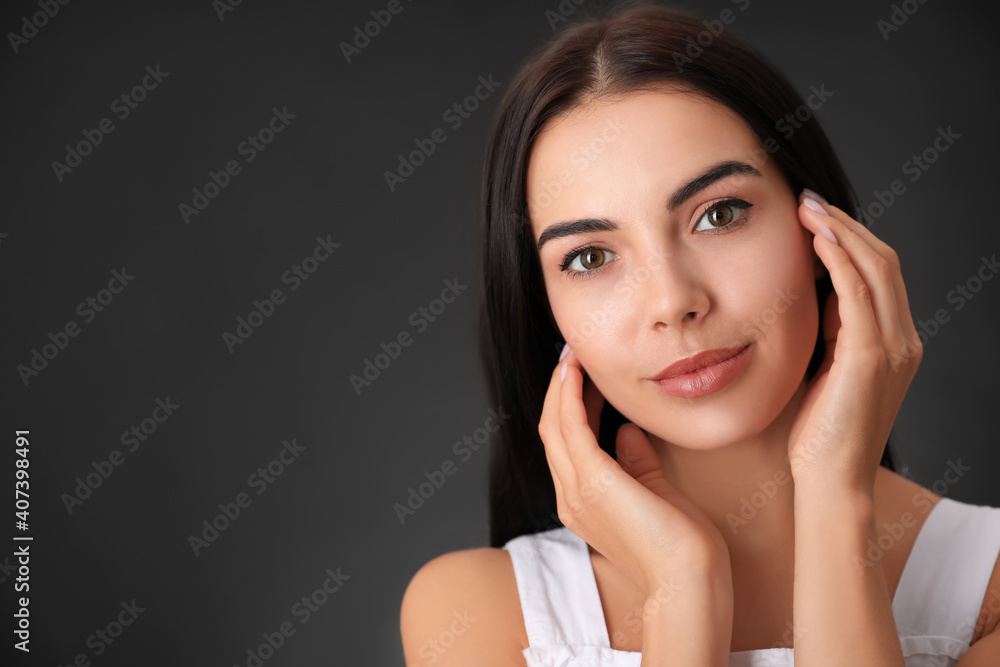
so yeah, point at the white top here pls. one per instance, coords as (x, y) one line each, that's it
(936, 605)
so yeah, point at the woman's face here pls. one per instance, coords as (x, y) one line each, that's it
(661, 285)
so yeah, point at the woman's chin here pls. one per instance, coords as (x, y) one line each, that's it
(709, 427)
(701, 435)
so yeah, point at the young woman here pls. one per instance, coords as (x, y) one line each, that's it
(703, 359)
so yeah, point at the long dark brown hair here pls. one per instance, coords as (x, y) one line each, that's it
(632, 47)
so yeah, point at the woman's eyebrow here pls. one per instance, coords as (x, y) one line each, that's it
(685, 192)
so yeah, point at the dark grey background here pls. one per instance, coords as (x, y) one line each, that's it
(323, 175)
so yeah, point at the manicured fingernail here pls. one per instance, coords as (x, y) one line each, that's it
(562, 373)
(814, 205)
(812, 194)
(563, 353)
(825, 231)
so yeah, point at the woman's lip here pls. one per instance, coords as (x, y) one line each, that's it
(707, 380)
(698, 362)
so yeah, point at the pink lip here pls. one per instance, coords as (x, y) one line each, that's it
(704, 373)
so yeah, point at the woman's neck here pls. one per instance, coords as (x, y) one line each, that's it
(745, 489)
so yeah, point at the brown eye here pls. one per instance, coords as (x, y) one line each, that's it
(724, 216)
(592, 258)
(720, 216)
(587, 261)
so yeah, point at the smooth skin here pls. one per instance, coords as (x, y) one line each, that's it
(659, 520)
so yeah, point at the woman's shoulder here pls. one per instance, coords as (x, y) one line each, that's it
(477, 571)
(463, 607)
(900, 496)
(895, 494)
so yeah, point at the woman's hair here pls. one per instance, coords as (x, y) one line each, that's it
(635, 47)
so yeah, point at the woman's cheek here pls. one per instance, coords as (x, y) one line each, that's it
(785, 296)
(586, 320)
(760, 270)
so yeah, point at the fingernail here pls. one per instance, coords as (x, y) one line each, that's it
(825, 231)
(814, 195)
(814, 205)
(562, 374)
(564, 351)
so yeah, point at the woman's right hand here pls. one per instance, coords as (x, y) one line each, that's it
(628, 512)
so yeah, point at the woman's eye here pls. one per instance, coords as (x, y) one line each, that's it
(588, 260)
(721, 214)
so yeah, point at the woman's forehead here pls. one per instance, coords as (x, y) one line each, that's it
(646, 142)
(639, 122)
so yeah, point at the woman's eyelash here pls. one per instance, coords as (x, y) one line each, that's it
(732, 202)
(573, 254)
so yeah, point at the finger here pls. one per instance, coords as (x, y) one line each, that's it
(635, 453)
(581, 443)
(876, 272)
(854, 299)
(548, 426)
(882, 248)
(645, 467)
(890, 255)
(873, 259)
(560, 494)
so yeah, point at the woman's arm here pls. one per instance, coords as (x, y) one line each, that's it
(687, 619)
(626, 510)
(462, 608)
(843, 613)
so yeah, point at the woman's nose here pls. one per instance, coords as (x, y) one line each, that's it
(669, 289)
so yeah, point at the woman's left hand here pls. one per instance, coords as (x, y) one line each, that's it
(872, 355)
